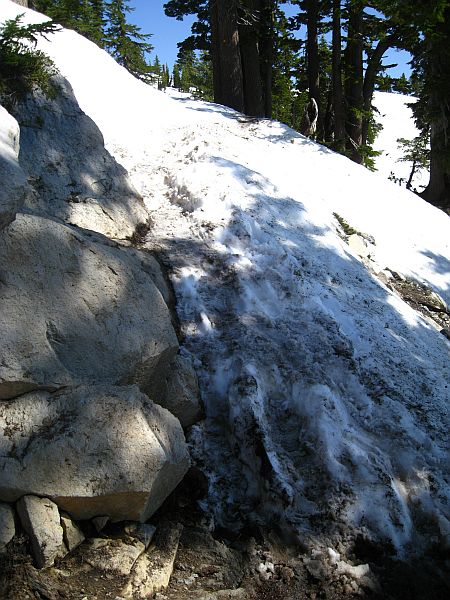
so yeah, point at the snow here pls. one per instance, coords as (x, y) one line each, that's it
(326, 394)
(396, 118)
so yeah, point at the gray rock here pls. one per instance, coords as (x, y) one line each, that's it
(7, 526)
(40, 519)
(72, 534)
(88, 187)
(13, 188)
(73, 310)
(93, 450)
(115, 557)
(142, 531)
(182, 395)
(99, 523)
(153, 570)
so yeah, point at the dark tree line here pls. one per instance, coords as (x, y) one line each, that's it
(256, 60)
(264, 64)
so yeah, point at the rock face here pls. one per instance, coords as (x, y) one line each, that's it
(75, 311)
(92, 450)
(86, 187)
(14, 188)
(40, 519)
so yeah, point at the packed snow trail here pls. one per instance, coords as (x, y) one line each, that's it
(326, 395)
(319, 402)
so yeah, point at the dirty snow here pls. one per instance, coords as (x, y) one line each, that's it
(326, 395)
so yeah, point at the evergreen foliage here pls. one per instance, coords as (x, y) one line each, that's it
(417, 153)
(193, 73)
(84, 16)
(24, 69)
(106, 24)
(125, 42)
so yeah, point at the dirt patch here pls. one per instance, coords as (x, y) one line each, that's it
(423, 299)
(254, 564)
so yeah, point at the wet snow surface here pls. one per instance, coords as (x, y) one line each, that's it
(326, 395)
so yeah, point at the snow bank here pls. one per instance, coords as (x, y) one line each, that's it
(326, 394)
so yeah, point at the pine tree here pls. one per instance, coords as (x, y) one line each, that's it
(426, 34)
(125, 42)
(176, 77)
(84, 16)
(24, 69)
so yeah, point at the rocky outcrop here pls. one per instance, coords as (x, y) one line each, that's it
(92, 450)
(83, 316)
(75, 311)
(73, 176)
(13, 188)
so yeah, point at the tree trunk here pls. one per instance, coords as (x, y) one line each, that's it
(227, 65)
(354, 81)
(266, 51)
(373, 68)
(438, 190)
(312, 53)
(249, 32)
(336, 76)
(437, 81)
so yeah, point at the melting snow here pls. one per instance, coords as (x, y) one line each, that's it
(326, 395)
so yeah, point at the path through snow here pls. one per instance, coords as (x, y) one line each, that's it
(326, 395)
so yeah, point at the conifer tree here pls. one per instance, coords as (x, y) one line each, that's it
(84, 16)
(125, 42)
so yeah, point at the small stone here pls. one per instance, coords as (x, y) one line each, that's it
(153, 570)
(316, 569)
(142, 531)
(7, 527)
(40, 519)
(99, 523)
(113, 556)
(73, 536)
(286, 574)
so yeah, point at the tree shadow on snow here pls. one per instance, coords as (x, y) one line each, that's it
(325, 395)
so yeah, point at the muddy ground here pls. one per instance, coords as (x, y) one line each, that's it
(254, 564)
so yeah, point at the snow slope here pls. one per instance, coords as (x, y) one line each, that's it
(326, 394)
(396, 118)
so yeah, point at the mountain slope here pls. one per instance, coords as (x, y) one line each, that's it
(326, 394)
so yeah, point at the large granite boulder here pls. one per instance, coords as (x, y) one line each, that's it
(99, 450)
(73, 311)
(13, 184)
(73, 176)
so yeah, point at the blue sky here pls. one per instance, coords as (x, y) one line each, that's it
(149, 16)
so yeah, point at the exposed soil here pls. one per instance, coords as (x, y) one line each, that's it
(255, 564)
